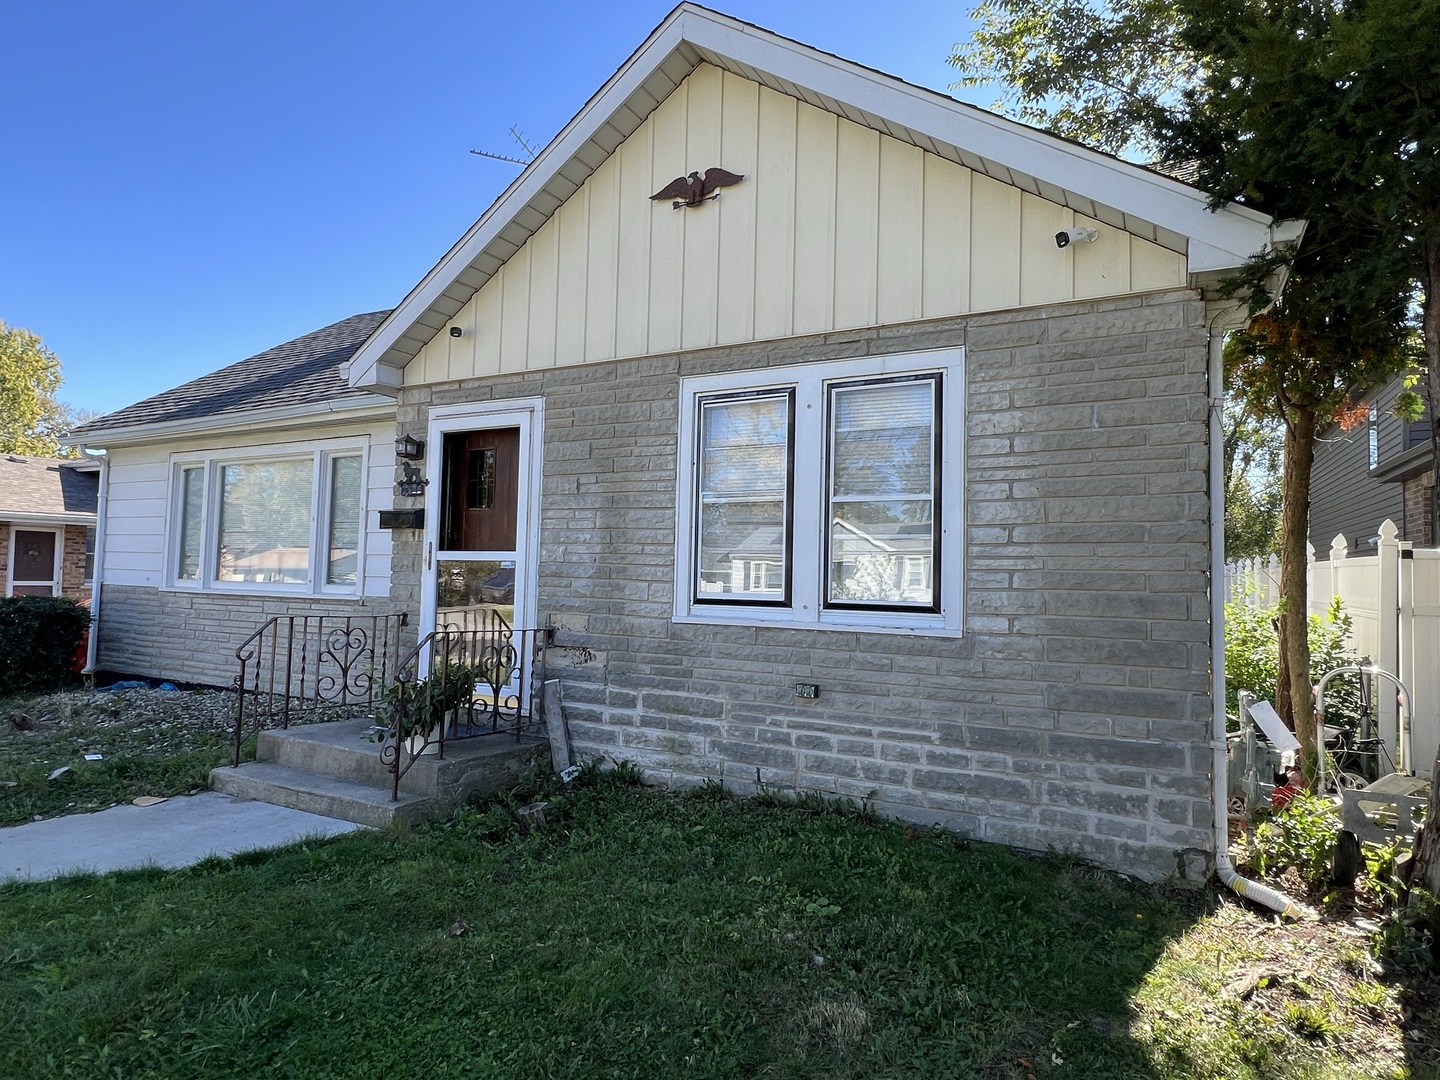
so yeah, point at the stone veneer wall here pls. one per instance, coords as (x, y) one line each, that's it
(192, 637)
(1074, 713)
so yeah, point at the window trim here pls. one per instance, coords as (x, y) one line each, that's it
(809, 455)
(321, 454)
(92, 545)
(937, 483)
(752, 597)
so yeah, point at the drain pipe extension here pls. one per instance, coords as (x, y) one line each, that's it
(1219, 770)
(102, 507)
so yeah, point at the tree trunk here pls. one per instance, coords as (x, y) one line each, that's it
(1427, 852)
(1294, 635)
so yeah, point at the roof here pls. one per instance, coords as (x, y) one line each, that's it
(48, 489)
(304, 371)
(1141, 201)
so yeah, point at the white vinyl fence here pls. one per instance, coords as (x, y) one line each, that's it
(1401, 581)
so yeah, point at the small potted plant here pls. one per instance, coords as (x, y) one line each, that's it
(418, 708)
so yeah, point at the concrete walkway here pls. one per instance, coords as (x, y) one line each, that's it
(178, 832)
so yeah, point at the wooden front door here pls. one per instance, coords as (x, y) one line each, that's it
(33, 570)
(481, 490)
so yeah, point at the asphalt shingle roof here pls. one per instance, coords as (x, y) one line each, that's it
(298, 372)
(45, 486)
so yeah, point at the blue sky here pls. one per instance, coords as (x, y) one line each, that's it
(187, 184)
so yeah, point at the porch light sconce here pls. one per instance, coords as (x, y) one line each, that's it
(409, 448)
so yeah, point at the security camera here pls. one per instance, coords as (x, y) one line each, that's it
(1078, 235)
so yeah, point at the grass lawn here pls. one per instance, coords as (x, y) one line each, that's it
(150, 742)
(646, 934)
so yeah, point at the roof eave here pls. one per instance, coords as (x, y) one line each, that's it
(18, 516)
(1405, 465)
(370, 406)
(1217, 240)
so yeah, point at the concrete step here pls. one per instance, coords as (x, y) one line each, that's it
(342, 750)
(347, 800)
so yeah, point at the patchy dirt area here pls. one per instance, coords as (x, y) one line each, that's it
(1243, 987)
(149, 708)
(86, 750)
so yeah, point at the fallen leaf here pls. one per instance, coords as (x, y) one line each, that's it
(149, 800)
(61, 771)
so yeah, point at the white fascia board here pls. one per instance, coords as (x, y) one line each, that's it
(365, 368)
(370, 407)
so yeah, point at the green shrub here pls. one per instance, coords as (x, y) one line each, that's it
(1252, 657)
(38, 637)
(1302, 834)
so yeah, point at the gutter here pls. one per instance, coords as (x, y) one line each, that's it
(1220, 766)
(29, 517)
(92, 649)
(371, 406)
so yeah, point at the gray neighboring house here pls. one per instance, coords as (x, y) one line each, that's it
(1381, 469)
(915, 417)
(47, 526)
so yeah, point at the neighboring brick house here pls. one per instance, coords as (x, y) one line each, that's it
(47, 526)
(917, 413)
(1381, 469)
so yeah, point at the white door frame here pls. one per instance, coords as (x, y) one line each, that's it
(57, 583)
(528, 414)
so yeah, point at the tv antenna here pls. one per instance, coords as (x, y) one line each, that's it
(519, 137)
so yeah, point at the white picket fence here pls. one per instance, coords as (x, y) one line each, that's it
(1400, 580)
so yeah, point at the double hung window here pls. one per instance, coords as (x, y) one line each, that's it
(287, 521)
(818, 495)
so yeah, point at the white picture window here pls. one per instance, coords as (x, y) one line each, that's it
(824, 495)
(290, 521)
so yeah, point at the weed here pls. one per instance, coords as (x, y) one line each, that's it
(1370, 996)
(1303, 834)
(1309, 1020)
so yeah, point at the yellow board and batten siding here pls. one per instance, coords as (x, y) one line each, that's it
(835, 226)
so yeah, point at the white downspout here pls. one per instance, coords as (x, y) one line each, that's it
(1219, 770)
(101, 502)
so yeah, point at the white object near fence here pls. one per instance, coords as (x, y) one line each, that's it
(1281, 738)
(1393, 600)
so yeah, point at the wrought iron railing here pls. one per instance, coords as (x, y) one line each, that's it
(312, 668)
(462, 682)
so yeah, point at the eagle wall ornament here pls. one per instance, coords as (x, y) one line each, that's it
(694, 189)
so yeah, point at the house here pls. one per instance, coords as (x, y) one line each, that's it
(47, 526)
(1380, 470)
(884, 471)
(242, 493)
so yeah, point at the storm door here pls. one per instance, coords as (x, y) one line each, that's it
(35, 562)
(478, 550)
